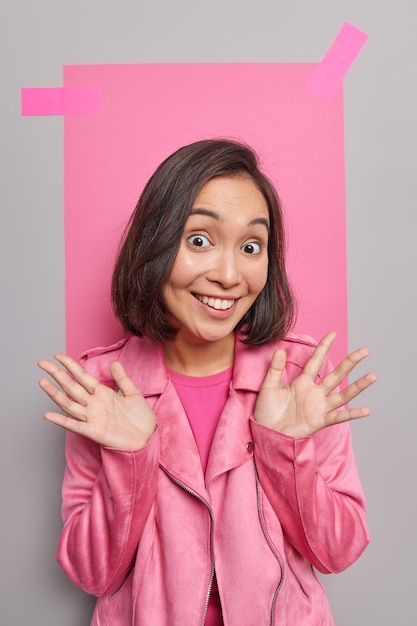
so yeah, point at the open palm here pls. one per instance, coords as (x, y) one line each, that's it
(122, 420)
(306, 406)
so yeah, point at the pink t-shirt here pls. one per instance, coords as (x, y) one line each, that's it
(203, 399)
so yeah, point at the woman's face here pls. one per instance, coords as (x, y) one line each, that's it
(222, 263)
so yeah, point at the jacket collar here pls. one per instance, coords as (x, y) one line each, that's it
(251, 365)
(144, 361)
(144, 358)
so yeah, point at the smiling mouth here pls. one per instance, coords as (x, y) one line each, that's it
(215, 303)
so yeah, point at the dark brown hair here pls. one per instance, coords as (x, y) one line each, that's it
(154, 234)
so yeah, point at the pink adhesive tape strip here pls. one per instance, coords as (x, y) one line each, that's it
(329, 74)
(85, 100)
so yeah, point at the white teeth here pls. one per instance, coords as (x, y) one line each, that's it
(216, 303)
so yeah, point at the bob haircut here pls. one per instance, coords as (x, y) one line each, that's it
(154, 232)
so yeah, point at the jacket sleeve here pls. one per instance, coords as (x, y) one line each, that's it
(313, 486)
(107, 497)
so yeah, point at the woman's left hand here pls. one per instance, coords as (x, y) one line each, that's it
(307, 406)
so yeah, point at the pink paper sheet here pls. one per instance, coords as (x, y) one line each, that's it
(148, 111)
(329, 74)
(60, 100)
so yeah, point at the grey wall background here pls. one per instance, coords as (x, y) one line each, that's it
(36, 40)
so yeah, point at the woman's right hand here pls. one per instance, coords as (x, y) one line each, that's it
(121, 420)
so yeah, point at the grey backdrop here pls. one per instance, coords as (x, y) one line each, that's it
(36, 40)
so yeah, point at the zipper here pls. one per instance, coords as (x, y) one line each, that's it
(207, 505)
(269, 542)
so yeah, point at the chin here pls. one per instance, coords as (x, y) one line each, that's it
(208, 337)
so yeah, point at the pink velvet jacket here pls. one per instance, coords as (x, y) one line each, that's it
(146, 530)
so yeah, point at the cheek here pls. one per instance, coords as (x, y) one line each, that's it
(183, 271)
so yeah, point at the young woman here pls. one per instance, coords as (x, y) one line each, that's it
(209, 460)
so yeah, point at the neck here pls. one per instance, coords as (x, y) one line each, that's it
(202, 359)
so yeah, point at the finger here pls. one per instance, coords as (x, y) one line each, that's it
(86, 380)
(61, 399)
(122, 379)
(76, 384)
(344, 396)
(273, 376)
(70, 386)
(66, 422)
(334, 378)
(316, 360)
(346, 415)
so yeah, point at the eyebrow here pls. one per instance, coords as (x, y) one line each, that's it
(216, 216)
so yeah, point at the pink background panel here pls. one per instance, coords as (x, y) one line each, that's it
(147, 112)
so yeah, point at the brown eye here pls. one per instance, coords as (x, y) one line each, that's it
(198, 241)
(252, 248)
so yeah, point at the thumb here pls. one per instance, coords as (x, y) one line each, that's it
(122, 379)
(273, 376)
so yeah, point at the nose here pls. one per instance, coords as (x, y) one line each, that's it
(226, 270)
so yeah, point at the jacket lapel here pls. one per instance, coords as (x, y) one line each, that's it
(144, 362)
(232, 441)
